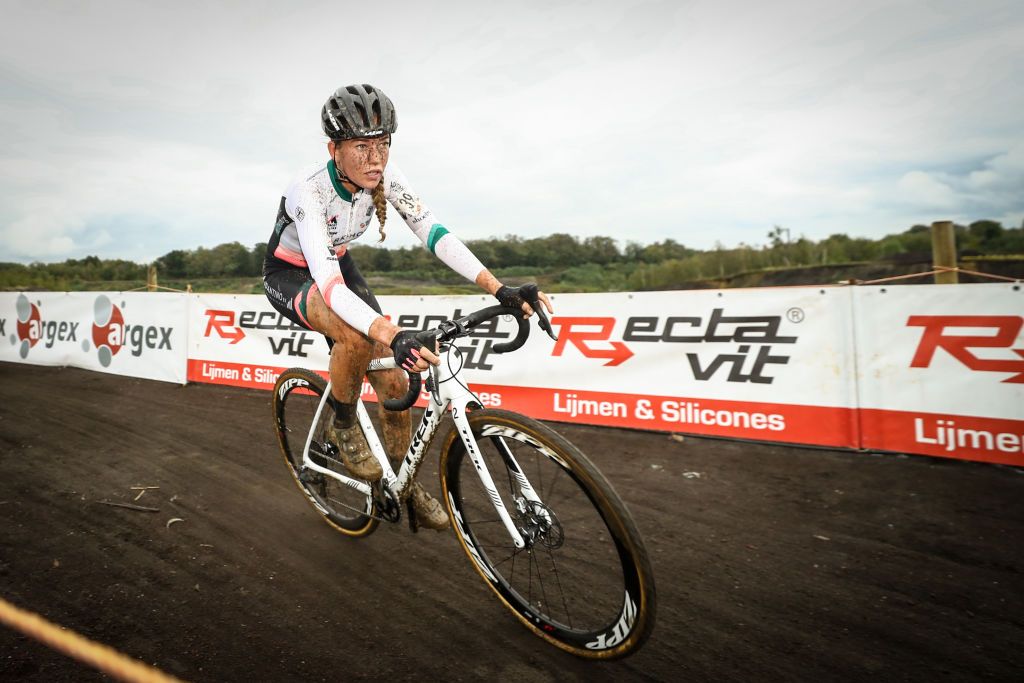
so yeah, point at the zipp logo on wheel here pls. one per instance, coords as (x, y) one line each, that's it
(941, 332)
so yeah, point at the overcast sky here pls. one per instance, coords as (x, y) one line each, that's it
(128, 129)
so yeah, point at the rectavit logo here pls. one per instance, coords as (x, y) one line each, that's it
(591, 336)
(936, 335)
(222, 323)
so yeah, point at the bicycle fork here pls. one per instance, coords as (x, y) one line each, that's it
(526, 489)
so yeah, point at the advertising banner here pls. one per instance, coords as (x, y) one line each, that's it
(126, 333)
(915, 369)
(941, 370)
(240, 340)
(761, 364)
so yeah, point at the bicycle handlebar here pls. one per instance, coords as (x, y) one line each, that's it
(404, 403)
(451, 330)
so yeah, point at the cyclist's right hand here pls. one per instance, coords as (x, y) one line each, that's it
(415, 351)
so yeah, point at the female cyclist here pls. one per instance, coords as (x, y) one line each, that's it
(310, 277)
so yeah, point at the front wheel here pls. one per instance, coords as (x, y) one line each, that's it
(584, 580)
(297, 395)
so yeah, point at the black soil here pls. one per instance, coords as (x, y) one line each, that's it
(772, 563)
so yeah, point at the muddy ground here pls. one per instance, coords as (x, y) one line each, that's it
(772, 563)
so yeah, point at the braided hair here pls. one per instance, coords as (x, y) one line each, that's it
(381, 204)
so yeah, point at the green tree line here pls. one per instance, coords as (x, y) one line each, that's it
(572, 263)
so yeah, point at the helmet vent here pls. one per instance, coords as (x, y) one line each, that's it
(358, 110)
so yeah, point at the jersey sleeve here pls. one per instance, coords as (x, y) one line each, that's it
(434, 236)
(310, 222)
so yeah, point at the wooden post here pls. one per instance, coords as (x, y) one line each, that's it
(944, 252)
(151, 279)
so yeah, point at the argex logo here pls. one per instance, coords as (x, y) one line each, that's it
(29, 328)
(110, 333)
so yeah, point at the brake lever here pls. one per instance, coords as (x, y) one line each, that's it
(542, 317)
(435, 383)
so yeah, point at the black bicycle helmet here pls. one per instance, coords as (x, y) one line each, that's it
(358, 111)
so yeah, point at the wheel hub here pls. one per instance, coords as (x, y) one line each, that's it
(537, 524)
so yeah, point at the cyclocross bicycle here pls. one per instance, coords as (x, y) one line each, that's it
(539, 522)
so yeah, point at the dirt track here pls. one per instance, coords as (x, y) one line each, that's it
(774, 564)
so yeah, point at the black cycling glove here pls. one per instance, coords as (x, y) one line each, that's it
(511, 297)
(515, 297)
(406, 347)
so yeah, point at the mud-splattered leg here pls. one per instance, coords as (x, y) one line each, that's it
(395, 425)
(351, 352)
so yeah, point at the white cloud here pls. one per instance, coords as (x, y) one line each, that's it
(922, 189)
(172, 126)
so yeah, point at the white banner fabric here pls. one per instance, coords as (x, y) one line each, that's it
(941, 370)
(760, 364)
(135, 334)
(936, 370)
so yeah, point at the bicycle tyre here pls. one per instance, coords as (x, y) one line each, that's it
(297, 394)
(618, 625)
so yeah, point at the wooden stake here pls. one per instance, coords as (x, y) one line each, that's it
(944, 252)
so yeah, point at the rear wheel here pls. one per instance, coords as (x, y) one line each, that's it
(584, 581)
(297, 395)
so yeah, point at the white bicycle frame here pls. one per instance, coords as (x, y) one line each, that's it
(448, 391)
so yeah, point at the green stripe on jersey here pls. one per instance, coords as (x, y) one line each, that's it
(437, 231)
(332, 171)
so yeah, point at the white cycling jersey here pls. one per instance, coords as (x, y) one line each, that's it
(320, 217)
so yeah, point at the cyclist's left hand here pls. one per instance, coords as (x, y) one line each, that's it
(511, 297)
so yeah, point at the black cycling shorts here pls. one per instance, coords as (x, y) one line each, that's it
(288, 289)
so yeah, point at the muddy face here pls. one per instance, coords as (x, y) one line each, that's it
(363, 159)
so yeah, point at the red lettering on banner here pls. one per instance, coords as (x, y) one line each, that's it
(223, 322)
(568, 332)
(935, 337)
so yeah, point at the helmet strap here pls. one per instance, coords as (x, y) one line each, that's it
(344, 178)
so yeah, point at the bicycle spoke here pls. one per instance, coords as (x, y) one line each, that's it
(570, 583)
(510, 557)
(540, 580)
(561, 592)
